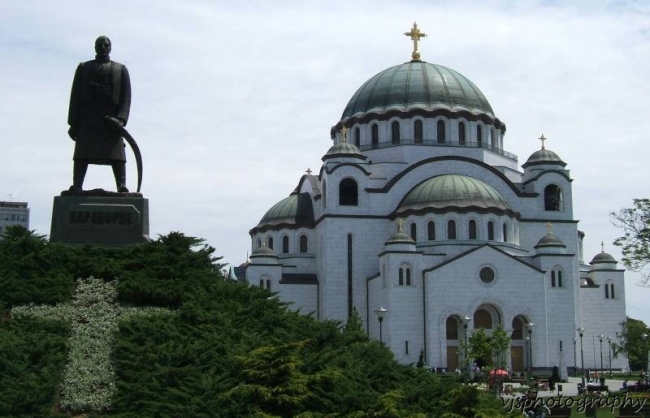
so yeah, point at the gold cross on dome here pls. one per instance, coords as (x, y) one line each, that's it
(308, 170)
(415, 35)
(542, 138)
(400, 224)
(344, 134)
(549, 227)
(602, 246)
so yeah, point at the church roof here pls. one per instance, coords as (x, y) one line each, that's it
(417, 85)
(344, 149)
(454, 191)
(603, 257)
(293, 211)
(543, 156)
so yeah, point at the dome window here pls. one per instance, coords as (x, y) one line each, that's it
(418, 132)
(431, 231)
(395, 132)
(404, 276)
(270, 243)
(259, 243)
(553, 198)
(505, 232)
(451, 229)
(414, 232)
(375, 136)
(285, 244)
(479, 134)
(304, 244)
(348, 193)
(441, 131)
(559, 278)
(462, 136)
(553, 278)
(472, 229)
(357, 137)
(490, 231)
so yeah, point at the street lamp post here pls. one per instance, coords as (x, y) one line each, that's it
(528, 352)
(609, 348)
(529, 327)
(581, 331)
(600, 337)
(466, 320)
(381, 311)
(575, 358)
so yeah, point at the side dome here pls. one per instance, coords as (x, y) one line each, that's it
(417, 85)
(454, 192)
(344, 149)
(550, 240)
(291, 212)
(603, 257)
(543, 156)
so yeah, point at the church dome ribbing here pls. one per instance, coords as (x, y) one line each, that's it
(454, 192)
(603, 257)
(417, 85)
(344, 149)
(544, 156)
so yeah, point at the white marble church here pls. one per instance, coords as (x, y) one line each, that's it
(419, 209)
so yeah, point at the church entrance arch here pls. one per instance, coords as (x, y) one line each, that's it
(454, 337)
(518, 351)
(486, 317)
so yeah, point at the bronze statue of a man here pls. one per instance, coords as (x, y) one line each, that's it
(99, 106)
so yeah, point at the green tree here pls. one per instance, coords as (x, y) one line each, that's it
(479, 346)
(635, 243)
(632, 344)
(500, 345)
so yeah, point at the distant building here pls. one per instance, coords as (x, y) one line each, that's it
(420, 214)
(13, 213)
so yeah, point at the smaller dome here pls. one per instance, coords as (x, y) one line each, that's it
(603, 257)
(263, 251)
(344, 149)
(544, 156)
(550, 240)
(400, 237)
(293, 211)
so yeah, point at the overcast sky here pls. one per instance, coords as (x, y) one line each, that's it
(234, 100)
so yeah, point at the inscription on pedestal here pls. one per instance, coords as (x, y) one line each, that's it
(100, 220)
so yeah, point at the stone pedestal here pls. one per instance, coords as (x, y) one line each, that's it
(103, 218)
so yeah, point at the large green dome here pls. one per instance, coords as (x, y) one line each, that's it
(293, 211)
(454, 192)
(417, 85)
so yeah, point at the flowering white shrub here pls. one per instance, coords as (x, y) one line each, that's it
(89, 377)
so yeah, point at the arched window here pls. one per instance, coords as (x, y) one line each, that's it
(357, 137)
(395, 134)
(451, 229)
(285, 244)
(482, 319)
(479, 133)
(400, 279)
(408, 276)
(552, 198)
(491, 231)
(505, 232)
(418, 133)
(303, 244)
(559, 278)
(493, 137)
(262, 283)
(348, 192)
(606, 290)
(553, 278)
(462, 136)
(440, 131)
(269, 243)
(375, 136)
(414, 232)
(472, 229)
(452, 328)
(259, 243)
(431, 231)
(611, 291)
(268, 285)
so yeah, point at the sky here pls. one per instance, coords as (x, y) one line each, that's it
(233, 101)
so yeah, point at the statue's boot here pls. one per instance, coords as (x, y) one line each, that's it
(78, 176)
(119, 171)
